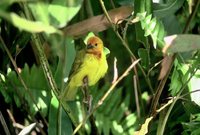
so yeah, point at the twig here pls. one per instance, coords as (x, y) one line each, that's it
(89, 8)
(49, 77)
(115, 71)
(47, 71)
(163, 81)
(160, 89)
(20, 78)
(3, 122)
(100, 102)
(136, 96)
(45, 66)
(15, 124)
(125, 44)
(191, 17)
(161, 132)
(112, 3)
(198, 90)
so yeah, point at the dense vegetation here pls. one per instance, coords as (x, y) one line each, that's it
(152, 86)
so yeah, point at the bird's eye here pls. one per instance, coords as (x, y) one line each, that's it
(96, 44)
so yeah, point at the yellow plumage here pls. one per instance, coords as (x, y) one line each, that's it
(90, 63)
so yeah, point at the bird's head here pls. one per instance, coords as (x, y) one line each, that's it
(94, 46)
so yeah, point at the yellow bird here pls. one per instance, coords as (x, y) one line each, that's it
(90, 63)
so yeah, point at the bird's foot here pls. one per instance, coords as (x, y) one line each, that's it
(88, 102)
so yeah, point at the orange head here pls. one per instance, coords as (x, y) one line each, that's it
(94, 46)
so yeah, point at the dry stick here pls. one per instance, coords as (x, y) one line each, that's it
(125, 45)
(106, 94)
(97, 23)
(21, 79)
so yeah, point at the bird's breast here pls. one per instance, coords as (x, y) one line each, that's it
(96, 68)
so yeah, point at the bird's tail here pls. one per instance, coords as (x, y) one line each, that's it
(69, 93)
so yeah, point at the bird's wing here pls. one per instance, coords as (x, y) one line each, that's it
(77, 62)
(70, 91)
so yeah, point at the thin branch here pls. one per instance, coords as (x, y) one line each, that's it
(45, 65)
(198, 90)
(49, 77)
(115, 70)
(161, 132)
(191, 17)
(100, 102)
(20, 78)
(89, 8)
(160, 89)
(163, 81)
(136, 96)
(3, 122)
(47, 71)
(125, 44)
(15, 124)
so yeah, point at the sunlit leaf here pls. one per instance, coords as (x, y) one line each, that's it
(154, 28)
(181, 43)
(27, 25)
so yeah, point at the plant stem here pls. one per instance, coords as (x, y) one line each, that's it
(162, 128)
(163, 81)
(191, 17)
(125, 45)
(47, 71)
(160, 88)
(21, 79)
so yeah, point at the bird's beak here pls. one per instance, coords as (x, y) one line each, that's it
(89, 46)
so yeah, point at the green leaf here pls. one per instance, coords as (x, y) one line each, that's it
(60, 15)
(129, 121)
(191, 107)
(143, 54)
(168, 8)
(116, 128)
(172, 25)
(106, 51)
(4, 4)
(192, 127)
(152, 27)
(53, 116)
(194, 82)
(66, 54)
(40, 12)
(27, 25)
(38, 92)
(57, 13)
(182, 43)
(176, 83)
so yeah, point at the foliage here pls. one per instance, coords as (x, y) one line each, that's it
(38, 47)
